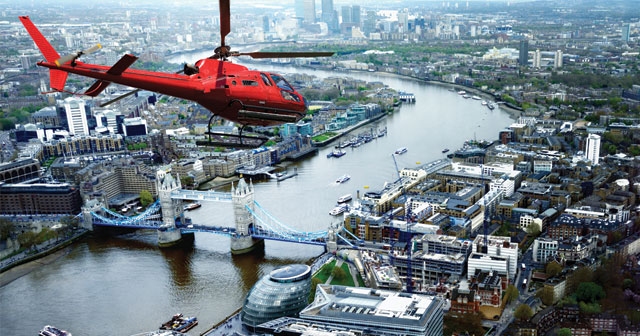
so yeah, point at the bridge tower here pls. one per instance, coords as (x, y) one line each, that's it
(242, 197)
(89, 207)
(168, 234)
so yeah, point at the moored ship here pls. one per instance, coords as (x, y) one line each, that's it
(344, 199)
(180, 323)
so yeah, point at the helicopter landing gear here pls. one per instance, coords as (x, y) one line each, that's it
(230, 140)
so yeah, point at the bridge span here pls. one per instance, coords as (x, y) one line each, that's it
(253, 223)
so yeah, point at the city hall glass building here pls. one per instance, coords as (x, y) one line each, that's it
(283, 292)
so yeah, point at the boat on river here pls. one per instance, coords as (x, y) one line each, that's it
(338, 210)
(192, 206)
(344, 178)
(53, 331)
(180, 323)
(401, 150)
(344, 199)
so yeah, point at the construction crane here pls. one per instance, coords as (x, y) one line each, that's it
(408, 220)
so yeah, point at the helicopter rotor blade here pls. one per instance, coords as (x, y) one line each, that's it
(127, 94)
(121, 97)
(225, 17)
(71, 57)
(261, 54)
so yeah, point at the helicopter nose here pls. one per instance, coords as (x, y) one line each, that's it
(306, 102)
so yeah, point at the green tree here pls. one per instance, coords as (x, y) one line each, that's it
(186, 180)
(523, 312)
(533, 230)
(511, 293)
(546, 295)
(589, 292)
(145, 198)
(553, 269)
(7, 124)
(589, 308)
(338, 273)
(6, 227)
(468, 323)
(314, 285)
(627, 283)
(27, 239)
(582, 274)
(564, 332)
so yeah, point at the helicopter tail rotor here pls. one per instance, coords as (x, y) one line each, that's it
(74, 56)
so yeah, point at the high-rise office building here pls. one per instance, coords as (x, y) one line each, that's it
(557, 59)
(626, 31)
(310, 11)
(299, 8)
(355, 14)
(76, 116)
(327, 10)
(346, 14)
(592, 148)
(524, 53)
(265, 24)
(369, 25)
(403, 21)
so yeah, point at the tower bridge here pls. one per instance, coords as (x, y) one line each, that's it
(253, 223)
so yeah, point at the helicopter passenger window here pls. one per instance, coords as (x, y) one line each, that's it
(281, 82)
(265, 79)
(249, 83)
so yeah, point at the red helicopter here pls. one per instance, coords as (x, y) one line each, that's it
(228, 90)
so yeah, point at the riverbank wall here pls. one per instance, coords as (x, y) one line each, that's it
(31, 262)
(349, 129)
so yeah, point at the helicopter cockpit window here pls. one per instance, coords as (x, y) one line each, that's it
(265, 79)
(290, 96)
(249, 83)
(281, 83)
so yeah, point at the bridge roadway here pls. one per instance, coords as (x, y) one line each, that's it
(197, 195)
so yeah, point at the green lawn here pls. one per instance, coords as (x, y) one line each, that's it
(325, 271)
(324, 136)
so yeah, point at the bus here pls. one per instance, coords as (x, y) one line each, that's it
(524, 267)
(524, 283)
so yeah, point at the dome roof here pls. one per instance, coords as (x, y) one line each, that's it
(283, 292)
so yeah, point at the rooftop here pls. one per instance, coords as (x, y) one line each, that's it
(371, 307)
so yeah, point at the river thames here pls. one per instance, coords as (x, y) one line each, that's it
(122, 285)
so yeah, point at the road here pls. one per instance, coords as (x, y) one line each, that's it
(6, 146)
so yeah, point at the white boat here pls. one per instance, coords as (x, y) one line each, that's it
(192, 206)
(344, 199)
(462, 92)
(476, 98)
(338, 210)
(466, 96)
(491, 106)
(53, 331)
(344, 178)
(484, 103)
(401, 150)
